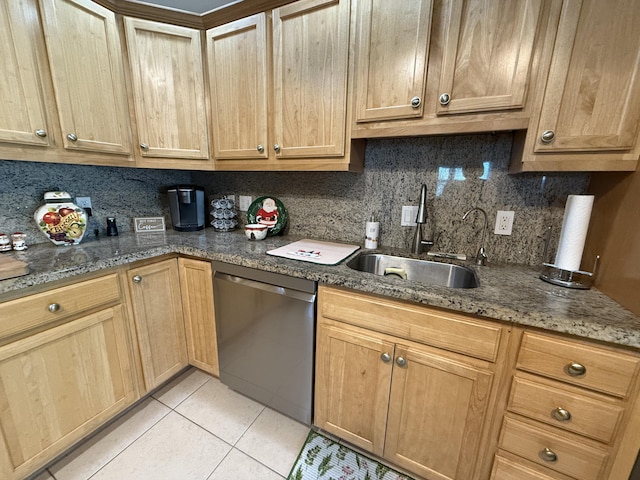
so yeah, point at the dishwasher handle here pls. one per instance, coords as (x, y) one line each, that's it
(266, 287)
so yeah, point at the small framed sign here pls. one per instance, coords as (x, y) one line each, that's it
(149, 224)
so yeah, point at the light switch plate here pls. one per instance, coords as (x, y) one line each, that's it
(83, 202)
(244, 202)
(409, 214)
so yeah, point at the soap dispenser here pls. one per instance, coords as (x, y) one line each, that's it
(372, 230)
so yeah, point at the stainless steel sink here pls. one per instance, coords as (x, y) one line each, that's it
(425, 271)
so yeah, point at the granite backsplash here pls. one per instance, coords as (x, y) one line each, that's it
(460, 172)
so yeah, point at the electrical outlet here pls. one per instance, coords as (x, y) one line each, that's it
(409, 214)
(504, 222)
(244, 202)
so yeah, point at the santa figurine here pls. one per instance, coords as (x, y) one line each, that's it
(268, 213)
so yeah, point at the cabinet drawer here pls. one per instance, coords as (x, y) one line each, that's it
(588, 416)
(573, 458)
(606, 371)
(505, 469)
(447, 330)
(34, 310)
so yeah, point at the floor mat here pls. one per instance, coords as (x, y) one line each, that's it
(322, 458)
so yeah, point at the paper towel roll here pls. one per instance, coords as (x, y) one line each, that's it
(575, 224)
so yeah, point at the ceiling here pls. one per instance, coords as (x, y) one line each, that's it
(197, 7)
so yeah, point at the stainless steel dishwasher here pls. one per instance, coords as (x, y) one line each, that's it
(266, 332)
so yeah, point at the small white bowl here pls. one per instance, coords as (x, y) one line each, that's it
(256, 231)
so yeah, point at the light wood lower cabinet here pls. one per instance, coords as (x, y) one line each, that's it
(157, 314)
(59, 385)
(196, 285)
(568, 408)
(423, 408)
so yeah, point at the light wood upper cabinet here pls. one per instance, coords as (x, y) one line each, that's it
(157, 312)
(86, 60)
(590, 112)
(168, 90)
(279, 90)
(23, 116)
(592, 99)
(487, 55)
(238, 78)
(59, 385)
(468, 65)
(392, 43)
(310, 60)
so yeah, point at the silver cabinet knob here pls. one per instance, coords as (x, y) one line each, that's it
(415, 102)
(276, 147)
(401, 361)
(561, 414)
(54, 307)
(386, 358)
(137, 279)
(444, 99)
(41, 133)
(144, 146)
(576, 369)
(547, 136)
(260, 148)
(548, 455)
(72, 136)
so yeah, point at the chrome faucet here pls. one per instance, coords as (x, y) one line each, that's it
(421, 218)
(481, 256)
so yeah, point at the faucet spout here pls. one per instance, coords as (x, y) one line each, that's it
(418, 243)
(481, 256)
(422, 215)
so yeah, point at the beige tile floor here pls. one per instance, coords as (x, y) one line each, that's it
(194, 428)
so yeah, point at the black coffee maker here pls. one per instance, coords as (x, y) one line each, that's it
(186, 204)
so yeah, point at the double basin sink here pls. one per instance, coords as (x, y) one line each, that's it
(416, 270)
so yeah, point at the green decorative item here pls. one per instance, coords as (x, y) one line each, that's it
(323, 459)
(268, 211)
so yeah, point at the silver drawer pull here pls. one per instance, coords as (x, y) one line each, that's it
(386, 358)
(561, 414)
(576, 369)
(401, 361)
(548, 455)
(137, 279)
(54, 307)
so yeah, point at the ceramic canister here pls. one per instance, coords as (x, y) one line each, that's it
(62, 221)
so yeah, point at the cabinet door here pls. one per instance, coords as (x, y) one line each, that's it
(310, 54)
(157, 309)
(59, 385)
(352, 385)
(237, 54)
(435, 397)
(167, 72)
(592, 98)
(196, 285)
(85, 56)
(391, 64)
(487, 55)
(23, 118)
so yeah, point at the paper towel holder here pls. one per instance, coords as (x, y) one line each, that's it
(565, 278)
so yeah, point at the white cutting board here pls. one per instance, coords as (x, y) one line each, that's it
(315, 251)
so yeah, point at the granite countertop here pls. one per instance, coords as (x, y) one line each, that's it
(507, 292)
